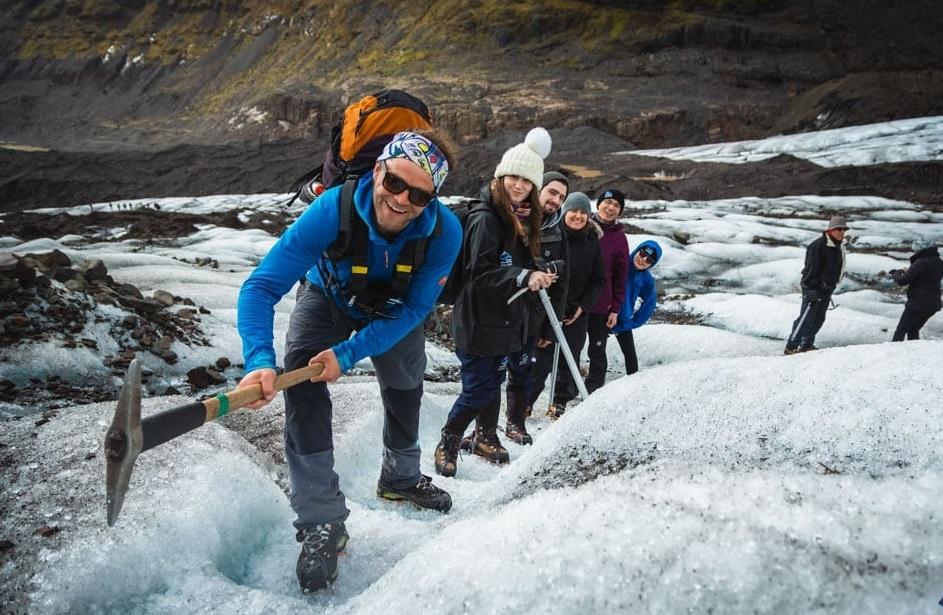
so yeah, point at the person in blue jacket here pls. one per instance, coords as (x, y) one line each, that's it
(639, 284)
(398, 204)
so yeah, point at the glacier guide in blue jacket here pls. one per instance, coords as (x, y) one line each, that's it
(638, 284)
(302, 247)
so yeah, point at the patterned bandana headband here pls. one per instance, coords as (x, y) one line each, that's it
(420, 150)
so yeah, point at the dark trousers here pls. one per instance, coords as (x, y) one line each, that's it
(805, 329)
(309, 444)
(521, 370)
(481, 392)
(598, 334)
(565, 387)
(911, 321)
(627, 344)
(520, 381)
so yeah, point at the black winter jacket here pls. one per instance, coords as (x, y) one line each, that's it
(496, 265)
(824, 265)
(923, 280)
(587, 271)
(553, 246)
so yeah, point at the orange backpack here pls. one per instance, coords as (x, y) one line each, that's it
(359, 137)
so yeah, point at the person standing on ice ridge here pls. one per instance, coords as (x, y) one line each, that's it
(521, 365)
(615, 255)
(639, 284)
(394, 208)
(587, 276)
(499, 260)
(824, 269)
(922, 280)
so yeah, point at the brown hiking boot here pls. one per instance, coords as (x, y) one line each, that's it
(518, 433)
(791, 351)
(556, 410)
(484, 442)
(446, 454)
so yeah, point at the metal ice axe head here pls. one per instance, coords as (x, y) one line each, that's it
(123, 442)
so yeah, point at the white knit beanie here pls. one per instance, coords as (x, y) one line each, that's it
(527, 159)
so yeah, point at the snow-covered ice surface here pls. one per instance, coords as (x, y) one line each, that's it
(722, 478)
(755, 484)
(899, 141)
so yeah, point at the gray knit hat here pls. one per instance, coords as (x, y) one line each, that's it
(553, 176)
(577, 201)
(837, 222)
(527, 159)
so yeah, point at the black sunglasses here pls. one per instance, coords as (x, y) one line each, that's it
(395, 184)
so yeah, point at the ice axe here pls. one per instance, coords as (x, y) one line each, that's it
(129, 435)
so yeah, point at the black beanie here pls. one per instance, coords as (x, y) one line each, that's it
(614, 194)
(553, 176)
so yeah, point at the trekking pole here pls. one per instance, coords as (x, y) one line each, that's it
(553, 375)
(562, 345)
(129, 436)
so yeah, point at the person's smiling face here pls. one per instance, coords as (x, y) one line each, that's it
(393, 210)
(608, 210)
(517, 188)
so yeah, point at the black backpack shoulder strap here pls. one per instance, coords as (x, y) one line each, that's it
(347, 217)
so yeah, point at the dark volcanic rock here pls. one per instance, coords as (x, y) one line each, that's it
(62, 310)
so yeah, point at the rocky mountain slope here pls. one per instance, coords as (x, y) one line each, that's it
(225, 96)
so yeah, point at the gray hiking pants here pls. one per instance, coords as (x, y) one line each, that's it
(316, 325)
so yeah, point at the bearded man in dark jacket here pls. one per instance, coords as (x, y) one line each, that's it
(922, 279)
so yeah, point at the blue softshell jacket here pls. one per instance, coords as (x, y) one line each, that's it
(638, 284)
(302, 247)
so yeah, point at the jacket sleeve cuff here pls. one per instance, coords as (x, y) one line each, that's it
(260, 360)
(345, 356)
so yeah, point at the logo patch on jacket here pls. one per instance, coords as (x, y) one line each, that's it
(505, 259)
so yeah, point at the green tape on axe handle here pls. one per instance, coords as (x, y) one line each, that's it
(223, 405)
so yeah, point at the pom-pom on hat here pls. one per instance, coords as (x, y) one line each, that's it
(527, 159)
(614, 194)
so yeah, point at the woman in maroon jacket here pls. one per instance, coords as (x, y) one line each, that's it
(615, 256)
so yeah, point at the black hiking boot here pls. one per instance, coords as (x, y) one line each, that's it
(317, 562)
(423, 495)
(484, 442)
(446, 454)
(789, 351)
(518, 433)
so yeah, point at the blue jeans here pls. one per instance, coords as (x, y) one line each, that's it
(481, 392)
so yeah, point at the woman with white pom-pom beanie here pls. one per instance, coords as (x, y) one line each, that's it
(501, 243)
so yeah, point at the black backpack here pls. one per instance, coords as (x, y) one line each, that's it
(453, 286)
